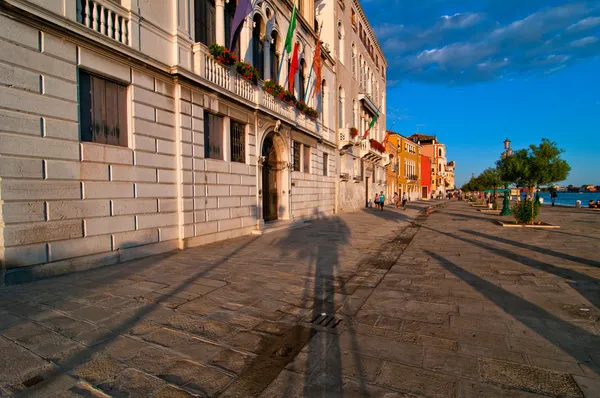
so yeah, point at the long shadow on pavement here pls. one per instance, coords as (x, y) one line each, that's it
(82, 356)
(565, 336)
(542, 250)
(590, 294)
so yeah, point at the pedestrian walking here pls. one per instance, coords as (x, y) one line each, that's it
(381, 200)
(396, 200)
(553, 196)
(376, 201)
(404, 199)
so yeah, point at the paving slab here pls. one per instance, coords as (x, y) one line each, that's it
(446, 304)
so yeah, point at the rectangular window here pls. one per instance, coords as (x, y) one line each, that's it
(296, 156)
(213, 136)
(102, 110)
(306, 165)
(325, 163)
(205, 21)
(238, 142)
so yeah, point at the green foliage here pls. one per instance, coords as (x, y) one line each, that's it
(526, 211)
(488, 179)
(535, 166)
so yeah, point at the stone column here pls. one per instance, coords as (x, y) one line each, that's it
(220, 20)
(267, 59)
(246, 40)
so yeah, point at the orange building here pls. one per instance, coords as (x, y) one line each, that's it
(435, 150)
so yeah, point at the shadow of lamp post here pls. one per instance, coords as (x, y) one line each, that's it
(505, 205)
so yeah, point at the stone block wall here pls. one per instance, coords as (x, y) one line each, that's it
(75, 203)
(313, 194)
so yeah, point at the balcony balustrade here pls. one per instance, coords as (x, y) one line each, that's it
(227, 79)
(106, 18)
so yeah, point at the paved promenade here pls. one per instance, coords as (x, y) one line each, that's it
(386, 304)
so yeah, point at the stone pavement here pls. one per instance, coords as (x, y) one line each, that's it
(391, 303)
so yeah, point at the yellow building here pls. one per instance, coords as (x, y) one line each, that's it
(405, 173)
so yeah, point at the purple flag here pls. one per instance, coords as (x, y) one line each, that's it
(243, 9)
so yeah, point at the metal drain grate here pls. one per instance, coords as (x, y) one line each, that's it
(33, 381)
(326, 321)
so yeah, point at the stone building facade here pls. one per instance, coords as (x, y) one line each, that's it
(122, 137)
(359, 96)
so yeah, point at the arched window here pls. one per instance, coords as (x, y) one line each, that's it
(341, 107)
(258, 46)
(440, 155)
(229, 14)
(353, 61)
(205, 22)
(361, 71)
(324, 104)
(340, 28)
(302, 81)
(274, 55)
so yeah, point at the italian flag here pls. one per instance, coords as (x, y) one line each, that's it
(371, 125)
(289, 38)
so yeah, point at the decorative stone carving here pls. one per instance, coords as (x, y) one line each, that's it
(261, 160)
(277, 126)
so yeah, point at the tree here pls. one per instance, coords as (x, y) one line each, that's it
(535, 166)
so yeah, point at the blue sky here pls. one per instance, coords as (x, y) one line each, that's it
(477, 72)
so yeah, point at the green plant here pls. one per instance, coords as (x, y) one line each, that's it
(526, 211)
(247, 71)
(301, 106)
(288, 97)
(272, 87)
(221, 54)
(311, 112)
(535, 166)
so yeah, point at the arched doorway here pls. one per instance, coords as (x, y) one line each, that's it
(270, 179)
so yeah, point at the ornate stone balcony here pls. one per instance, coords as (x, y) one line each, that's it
(105, 17)
(368, 152)
(226, 79)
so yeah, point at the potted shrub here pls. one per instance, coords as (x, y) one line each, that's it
(247, 71)
(311, 112)
(287, 97)
(272, 87)
(526, 211)
(353, 132)
(301, 106)
(222, 55)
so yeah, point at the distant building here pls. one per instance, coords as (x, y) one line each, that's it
(450, 175)
(425, 177)
(408, 177)
(430, 146)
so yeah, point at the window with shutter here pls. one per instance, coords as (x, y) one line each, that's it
(325, 163)
(213, 136)
(306, 159)
(205, 21)
(102, 110)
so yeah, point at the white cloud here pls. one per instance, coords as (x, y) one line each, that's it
(468, 47)
(584, 24)
(585, 41)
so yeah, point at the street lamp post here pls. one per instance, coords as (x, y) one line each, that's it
(505, 204)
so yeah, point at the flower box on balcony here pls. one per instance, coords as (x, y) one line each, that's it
(247, 71)
(222, 55)
(376, 145)
(287, 97)
(353, 132)
(272, 87)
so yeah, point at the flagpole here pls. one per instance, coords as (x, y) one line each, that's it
(313, 64)
(286, 52)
